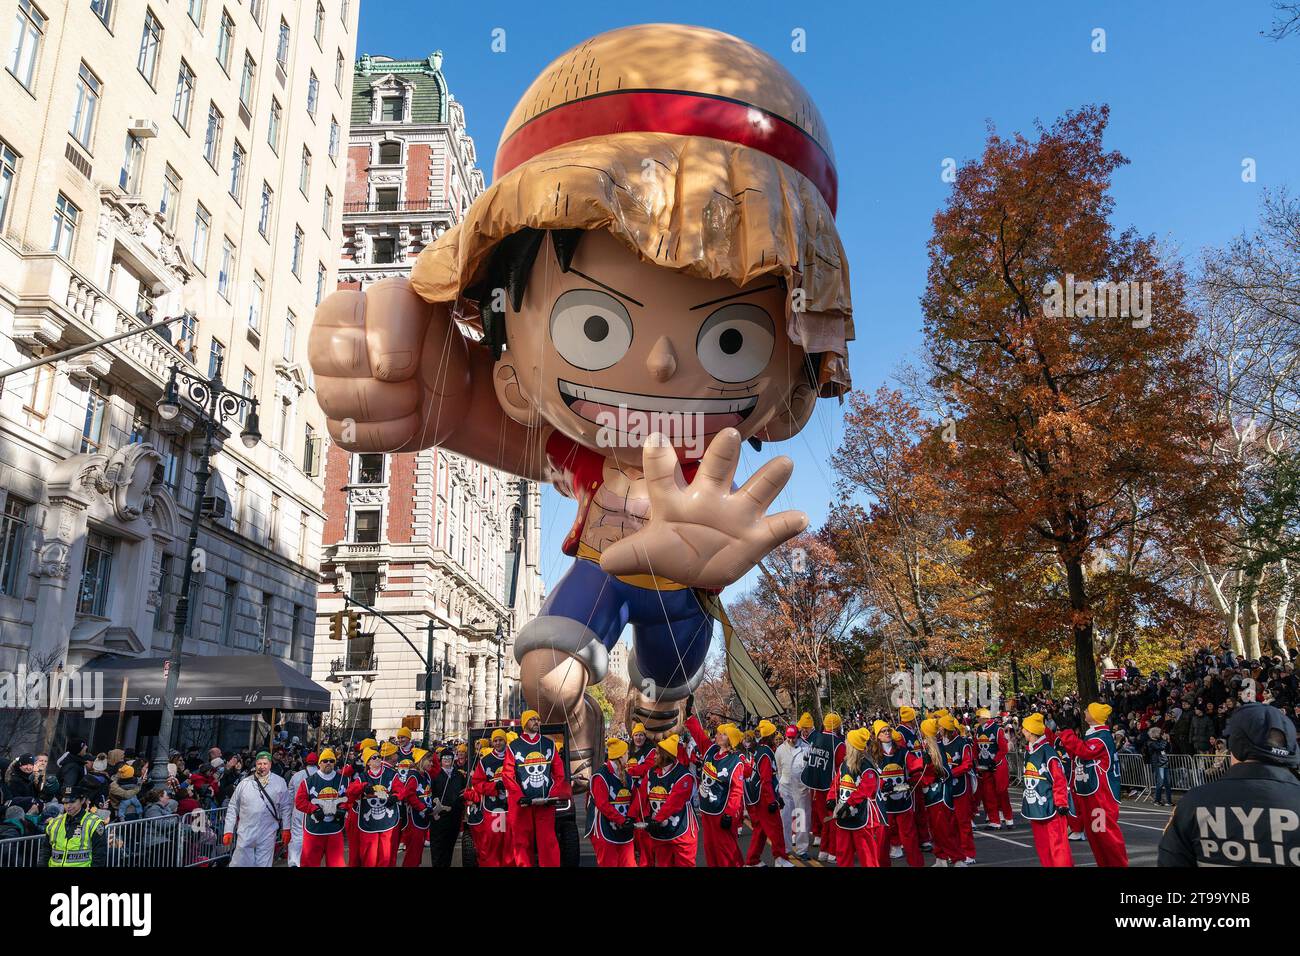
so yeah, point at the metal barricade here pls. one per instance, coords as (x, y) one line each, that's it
(194, 839)
(1015, 767)
(1134, 776)
(18, 852)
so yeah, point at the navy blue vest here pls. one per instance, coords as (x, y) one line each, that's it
(620, 795)
(659, 784)
(333, 788)
(1037, 802)
(533, 765)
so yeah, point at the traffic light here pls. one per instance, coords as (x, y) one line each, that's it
(354, 625)
(336, 626)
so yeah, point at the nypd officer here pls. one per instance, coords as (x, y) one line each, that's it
(1251, 815)
(76, 837)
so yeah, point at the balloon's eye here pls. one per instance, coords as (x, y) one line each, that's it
(590, 329)
(735, 342)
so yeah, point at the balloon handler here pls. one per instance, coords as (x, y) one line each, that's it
(653, 277)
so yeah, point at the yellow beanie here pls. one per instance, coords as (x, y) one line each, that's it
(638, 728)
(669, 744)
(1035, 724)
(526, 716)
(368, 753)
(858, 739)
(368, 744)
(983, 712)
(405, 733)
(498, 734)
(419, 754)
(616, 748)
(766, 728)
(906, 714)
(805, 721)
(940, 713)
(878, 726)
(126, 771)
(386, 749)
(832, 722)
(898, 737)
(462, 749)
(327, 754)
(511, 736)
(1099, 712)
(947, 722)
(930, 727)
(734, 736)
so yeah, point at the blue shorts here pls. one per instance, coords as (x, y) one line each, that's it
(671, 631)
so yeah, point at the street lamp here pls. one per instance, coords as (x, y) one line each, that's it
(216, 404)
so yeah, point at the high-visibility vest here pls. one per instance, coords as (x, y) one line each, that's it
(74, 849)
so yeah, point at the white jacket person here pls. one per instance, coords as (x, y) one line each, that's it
(258, 815)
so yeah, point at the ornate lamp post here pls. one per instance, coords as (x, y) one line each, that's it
(216, 404)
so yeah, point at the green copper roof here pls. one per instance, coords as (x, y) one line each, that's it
(430, 103)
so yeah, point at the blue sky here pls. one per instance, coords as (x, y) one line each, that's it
(1193, 88)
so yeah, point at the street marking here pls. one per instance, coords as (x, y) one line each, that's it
(994, 836)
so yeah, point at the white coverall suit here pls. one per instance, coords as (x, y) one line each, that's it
(255, 822)
(297, 818)
(790, 762)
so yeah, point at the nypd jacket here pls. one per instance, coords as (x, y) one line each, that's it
(1245, 818)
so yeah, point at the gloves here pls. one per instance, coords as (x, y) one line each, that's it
(226, 840)
(1062, 811)
(368, 790)
(284, 837)
(773, 806)
(725, 821)
(501, 789)
(318, 815)
(525, 801)
(780, 801)
(830, 804)
(347, 770)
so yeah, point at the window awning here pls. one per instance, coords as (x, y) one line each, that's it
(229, 683)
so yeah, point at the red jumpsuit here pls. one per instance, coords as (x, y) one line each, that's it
(318, 845)
(861, 835)
(638, 768)
(414, 829)
(1096, 770)
(1051, 835)
(994, 783)
(901, 806)
(671, 817)
(764, 812)
(534, 759)
(961, 761)
(939, 814)
(722, 799)
(350, 834)
(376, 815)
(611, 826)
(492, 834)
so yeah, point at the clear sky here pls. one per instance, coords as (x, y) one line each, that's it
(1194, 89)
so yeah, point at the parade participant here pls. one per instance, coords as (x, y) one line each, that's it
(1096, 785)
(405, 748)
(795, 809)
(1073, 822)
(805, 726)
(1247, 817)
(76, 837)
(682, 205)
(992, 770)
(854, 808)
(763, 801)
(959, 757)
(1046, 795)
(411, 789)
(321, 801)
(447, 807)
(387, 751)
(355, 765)
(372, 801)
(672, 824)
(609, 803)
(722, 791)
(900, 773)
(258, 812)
(294, 855)
(534, 776)
(825, 754)
(640, 761)
(937, 797)
(492, 840)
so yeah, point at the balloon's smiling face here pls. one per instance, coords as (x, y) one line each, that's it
(616, 349)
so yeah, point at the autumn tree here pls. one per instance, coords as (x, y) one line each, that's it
(1078, 403)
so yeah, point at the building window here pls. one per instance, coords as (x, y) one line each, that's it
(304, 530)
(284, 423)
(199, 248)
(334, 139)
(216, 357)
(92, 428)
(295, 633)
(229, 608)
(304, 171)
(212, 138)
(238, 166)
(28, 29)
(385, 250)
(189, 330)
(386, 198)
(225, 41)
(264, 217)
(390, 110)
(65, 226)
(104, 10)
(237, 504)
(320, 281)
(196, 12)
(313, 94)
(173, 462)
(150, 42)
(8, 171)
(255, 304)
(141, 425)
(338, 71)
(273, 525)
(364, 586)
(248, 389)
(96, 574)
(257, 8)
(310, 453)
(226, 273)
(171, 197)
(87, 102)
(13, 538)
(282, 47)
(184, 96)
(365, 525)
(246, 80)
(368, 469)
(128, 180)
(390, 153)
(327, 211)
(296, 262)
(344, 8)
(290, 334)
(273, 127)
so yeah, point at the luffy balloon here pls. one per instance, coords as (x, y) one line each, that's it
(653, 277)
